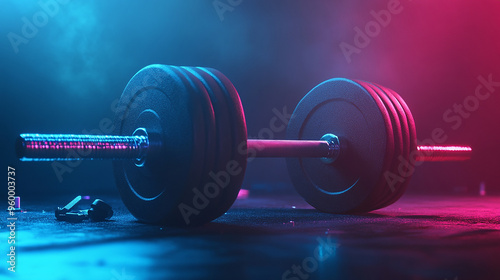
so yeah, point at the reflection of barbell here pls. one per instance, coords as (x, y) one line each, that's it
(185, 149)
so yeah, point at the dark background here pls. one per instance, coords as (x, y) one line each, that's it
(66, 77)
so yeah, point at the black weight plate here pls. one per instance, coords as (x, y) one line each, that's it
(203, 214)
(412, 145)
(222, 117)
(225, 120)
(222, 197)
(172, 112)
(385, 189)
(238, 134)
(396, 185)
(360, 120)
(405, 160)
(404, 145)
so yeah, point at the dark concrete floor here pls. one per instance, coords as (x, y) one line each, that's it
(267, 237)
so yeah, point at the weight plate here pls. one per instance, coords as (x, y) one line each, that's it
(158, 99)
(208, 193)
(235, 166)
(404, 143)
(222, 117)
(360, 120)
(222, 197)
(386, 188)
(411, 145)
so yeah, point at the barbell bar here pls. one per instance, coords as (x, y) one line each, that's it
(56, 147)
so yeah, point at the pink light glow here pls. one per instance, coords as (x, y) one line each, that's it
(445, 148)
(243, 194)
(443, 153)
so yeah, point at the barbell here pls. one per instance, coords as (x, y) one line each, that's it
(180, 147)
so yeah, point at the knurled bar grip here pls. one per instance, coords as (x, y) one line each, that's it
(55, 147)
